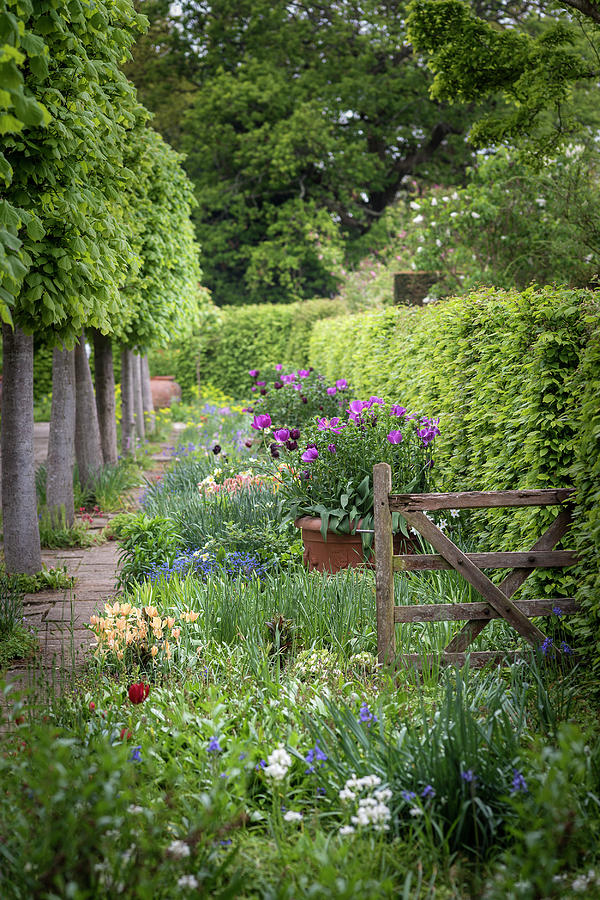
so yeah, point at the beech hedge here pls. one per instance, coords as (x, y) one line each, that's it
(515, 379)
(235, 339)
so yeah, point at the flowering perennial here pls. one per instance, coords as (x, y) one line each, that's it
(278, 763)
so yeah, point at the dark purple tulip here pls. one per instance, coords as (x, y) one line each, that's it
(277, 385)
(248, 409)
(291, 445)
(274, 451)
(304, 400)
(248, 443)
(295, 434)
(263, 391)
(281, 435)
(331, 448)
(321, 408)
(216, 449)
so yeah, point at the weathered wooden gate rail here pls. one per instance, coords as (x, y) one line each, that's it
(497, 603)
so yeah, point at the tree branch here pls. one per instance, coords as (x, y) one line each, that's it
(586, 7)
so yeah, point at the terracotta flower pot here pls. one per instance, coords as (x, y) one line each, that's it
(339, 551)
(164, 390)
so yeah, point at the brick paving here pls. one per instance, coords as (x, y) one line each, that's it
(60, 617)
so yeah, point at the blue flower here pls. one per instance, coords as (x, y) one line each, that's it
(136, 754)
(315, 755)
(365, 715)
(468, 775)
(409, 796)
(557, 611)
(428, 791)
(546, 646)
(518, 782)
(214, 746)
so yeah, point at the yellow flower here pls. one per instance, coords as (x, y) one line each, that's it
(169, 622)
(151, 612)
(125, 609)
(154, 650)
(176, 632)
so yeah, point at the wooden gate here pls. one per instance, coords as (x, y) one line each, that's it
(497, 603)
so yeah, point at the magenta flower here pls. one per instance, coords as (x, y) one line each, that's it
(281, 435)
(303, 373)
(253, 373)
(278, 367)
(394, 437)
(310, 454)
(331, 391)
(331, 448)
(261, 422)
(372, 400)
(356, 407)
(287, 379)
(260, 383)
(341, 384)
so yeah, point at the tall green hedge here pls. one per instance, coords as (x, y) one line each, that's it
(243, 337)
(515, 379)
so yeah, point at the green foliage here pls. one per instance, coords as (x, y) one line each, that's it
(257, 336)
(512, 377)
(145, 542)
(531, 75)
(55, 533)
(16, 640)
(55, 578)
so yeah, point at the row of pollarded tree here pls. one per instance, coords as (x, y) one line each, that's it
(95, 235)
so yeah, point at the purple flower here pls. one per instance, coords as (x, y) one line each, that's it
(305, 475)
(331, 391)
(274, 451)
(397, 410)
(372, 400)
(518, 782)
(261, 422)
(291, 445)
(315, 755)
(356, 407)
(260, 383)
(277, 385)
(216, 449)
(310, 454)
(331, 448)
(428, 791)
(253, 373)
(278, 367)
(262, 764)
(468, 776)
(323, 424)
(303, 373)
(409, 796)
(546, 646)
(565, 648)
(557, 611)
(136, 754)
(287, 379)
(341, 384)
(394, 437)
(263, 392)
(253, 388)
(248, 409)
(214, 746)
(365, 715)
(295, 434)
(281, 435)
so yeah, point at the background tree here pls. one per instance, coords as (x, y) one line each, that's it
(537, 78)
(305, 122)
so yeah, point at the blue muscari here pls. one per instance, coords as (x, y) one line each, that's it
(234, 564)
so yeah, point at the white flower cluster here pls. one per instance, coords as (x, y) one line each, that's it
(279, 762)
(365, 661)
(372, 810)
(317, 664)
(188, 881)
(179, 849)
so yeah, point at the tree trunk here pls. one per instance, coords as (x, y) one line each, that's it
(22, 551)
(127, 412)
(88, 449)
(104, 377)
(147, 397)
(137, 397)
(61, 443)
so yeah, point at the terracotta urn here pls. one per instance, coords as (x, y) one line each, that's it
(164, 390)
(339, 551)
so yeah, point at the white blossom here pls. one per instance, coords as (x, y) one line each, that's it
(475, 215)
(346, 795)
(179, 849)
(279, 762)
(347, 829)
(292, 816)
(418, 219)
(414, 205)
(415, 811)
(188, 881)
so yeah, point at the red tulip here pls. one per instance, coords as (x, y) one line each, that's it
(138, 692)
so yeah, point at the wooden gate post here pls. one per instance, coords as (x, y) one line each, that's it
(384, 571)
